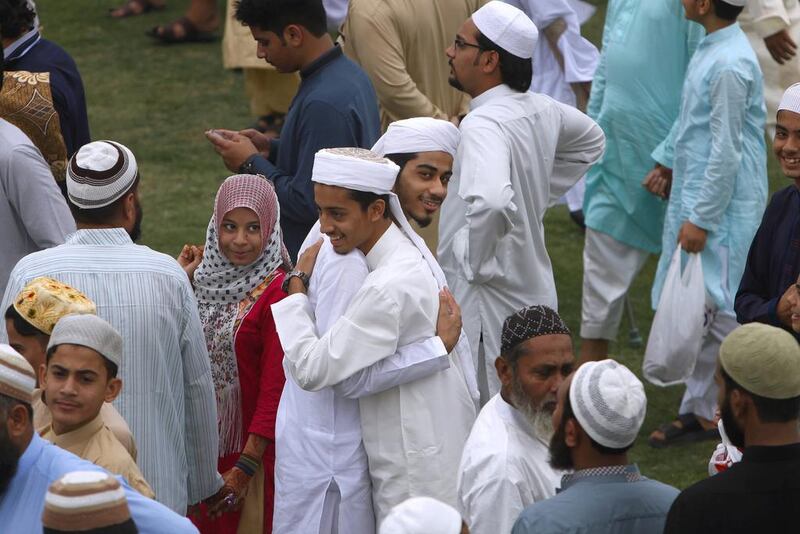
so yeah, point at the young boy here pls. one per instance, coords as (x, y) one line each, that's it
(29, 322)
(717, 154)
(79, 375)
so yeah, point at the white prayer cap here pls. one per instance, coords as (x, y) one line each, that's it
(791, 99)
(85, 500)
(99, 173)
(421, 515)
(17, 379)
(507, 27)
(354, 168)
(609, 402)
(420, 134)
(88, 331)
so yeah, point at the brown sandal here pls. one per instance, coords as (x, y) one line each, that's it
(180, 31)
(132, 8)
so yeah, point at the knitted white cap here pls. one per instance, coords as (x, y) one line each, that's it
(99, 173)
(791, 99)
(88, 331)
(507, 27)
(17, 378)
(421, 515)
(85, 500)
(609, 402)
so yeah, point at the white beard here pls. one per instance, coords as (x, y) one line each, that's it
(540, 419)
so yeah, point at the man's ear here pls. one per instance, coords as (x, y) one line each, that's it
(113, 389)
(492, 61)
(18, 421)
(377, 209)
(504, 371)
(740, 403)
(129, 207)
(293, 35)
(42, 375)
(572, 434)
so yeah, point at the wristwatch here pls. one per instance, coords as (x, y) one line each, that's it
(294, 274)
(248, 167)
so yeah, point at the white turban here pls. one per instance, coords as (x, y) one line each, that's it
(421, 515)
(609, 402)
(420, 134)
(507, 27)
(791, 99)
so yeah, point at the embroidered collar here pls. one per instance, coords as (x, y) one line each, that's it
(611, 473)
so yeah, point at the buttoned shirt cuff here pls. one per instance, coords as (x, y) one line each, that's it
(769, 26)
(263, 166)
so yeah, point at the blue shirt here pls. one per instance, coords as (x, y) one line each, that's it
(335, 106)
(43, 463)
(616, 500)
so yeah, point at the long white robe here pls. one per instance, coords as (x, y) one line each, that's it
(413, 433)
(504, 469)
(519, 153)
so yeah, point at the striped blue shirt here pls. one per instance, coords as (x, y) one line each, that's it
(167, 395)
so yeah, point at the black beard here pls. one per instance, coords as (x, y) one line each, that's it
(9, 459)
(136, 232)
(560, 454)
(455, 84)
(732, 429)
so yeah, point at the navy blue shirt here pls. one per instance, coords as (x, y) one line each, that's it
(335, 106)
(773, 263)
(66, 85)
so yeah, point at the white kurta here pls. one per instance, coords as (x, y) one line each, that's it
(318, 433)
(413, 433)
(504, 469)
(519, 153)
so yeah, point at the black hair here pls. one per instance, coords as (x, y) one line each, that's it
(2, 66)
(102, 215)
(726, 11)
(7, 403)
(275, 15)
(515, 71)
(365, 198)
(602, 449)
(401, 160)
(111, 368)
(16, 18)
(21, 325)
(768, 410)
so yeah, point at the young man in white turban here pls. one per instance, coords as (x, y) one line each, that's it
(600, 410)
(519, 153)
(504, 466)
(413, 433)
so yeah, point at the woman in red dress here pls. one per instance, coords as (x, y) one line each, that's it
(239, 276)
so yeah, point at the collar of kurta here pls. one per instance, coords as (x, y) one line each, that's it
(75, 440)
(611, 473)
(99, 236)
(21, 46)
(721, 35)
(321, 61)
(384, 247)
(780, 453)
(497, 91)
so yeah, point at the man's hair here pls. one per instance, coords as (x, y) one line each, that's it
(365, 198)
(7, 403)
(401, 160)
(111, 367)
(23, 327)
(726, 11)
(275, 15)
(568, 413)
(104, 214)
(768, 410)
(516, 72)
(16, 18)
(2, 66)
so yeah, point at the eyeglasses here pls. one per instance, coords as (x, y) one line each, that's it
(461, 44)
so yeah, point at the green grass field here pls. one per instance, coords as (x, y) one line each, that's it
(158, 101)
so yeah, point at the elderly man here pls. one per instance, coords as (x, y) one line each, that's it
(599, 413)
(504, 465)
(168, 400)
(30, 464)
(758, 374)
(396, 305)
(310, 487)
(519, 153)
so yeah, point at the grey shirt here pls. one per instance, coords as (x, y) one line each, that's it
(33, 212)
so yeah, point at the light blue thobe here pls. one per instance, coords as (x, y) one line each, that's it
(719, 180)
(635, 99)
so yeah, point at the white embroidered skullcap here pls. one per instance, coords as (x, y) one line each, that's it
(85, 500)
(421, 515)
(99, 173)
(609, 402)
(507, 27)
(88, 331)
(17, 379)
(420, 134)
(791, 99)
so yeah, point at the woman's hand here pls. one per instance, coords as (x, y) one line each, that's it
(235, 483)
(189, 258)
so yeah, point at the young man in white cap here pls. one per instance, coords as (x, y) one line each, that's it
(770, 276)
(519, 153)
(80, 375)
(168, 400)
(413, 433)
(718, 192)
(504, 466)
(29, 464)
(758, 374)
(422, 515)
(600, 410)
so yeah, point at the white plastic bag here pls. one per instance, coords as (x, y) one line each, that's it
(677, 331)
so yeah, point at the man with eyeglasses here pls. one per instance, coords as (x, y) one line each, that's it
(519, 153)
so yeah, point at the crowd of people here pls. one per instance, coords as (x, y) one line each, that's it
(368, 339)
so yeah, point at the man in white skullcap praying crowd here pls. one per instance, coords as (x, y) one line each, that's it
(504, 467)
(413, 433)
(600, 410)
(422, 515)
(168, 401)
(519, 153)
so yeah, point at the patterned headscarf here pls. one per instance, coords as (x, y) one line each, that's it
(226, 292)
(529, 322)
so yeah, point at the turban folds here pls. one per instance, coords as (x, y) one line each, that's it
(420, 134)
